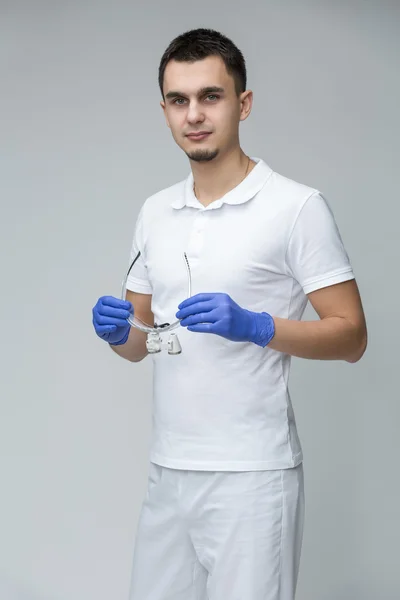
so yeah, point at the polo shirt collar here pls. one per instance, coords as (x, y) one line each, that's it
(245, 190)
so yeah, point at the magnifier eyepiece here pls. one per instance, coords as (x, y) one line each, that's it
(153, 343)
(174, 346)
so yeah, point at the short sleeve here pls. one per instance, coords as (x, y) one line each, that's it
(138, 280)
(315, 255)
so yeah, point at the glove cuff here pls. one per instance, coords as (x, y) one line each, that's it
(264, 329)
(123, 341)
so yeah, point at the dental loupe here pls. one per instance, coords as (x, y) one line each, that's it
(154, 342)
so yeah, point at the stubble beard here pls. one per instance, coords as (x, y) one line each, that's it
(202, 155)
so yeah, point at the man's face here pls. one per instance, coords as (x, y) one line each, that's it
(201, 97)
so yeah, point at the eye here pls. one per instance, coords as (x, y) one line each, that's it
(181, 101)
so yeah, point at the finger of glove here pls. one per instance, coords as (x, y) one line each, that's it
(198, 307)
(107, 320)
(202, 328)
(115, 302)
(204, 317)
(101, 330)
(203, 297)
(105, 310)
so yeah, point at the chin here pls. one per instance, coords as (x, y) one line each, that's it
(202, 155)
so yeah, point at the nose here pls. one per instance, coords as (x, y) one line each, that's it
(195, 114)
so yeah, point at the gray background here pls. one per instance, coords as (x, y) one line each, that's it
(83, 142)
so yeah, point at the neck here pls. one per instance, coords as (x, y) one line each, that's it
(214, 179)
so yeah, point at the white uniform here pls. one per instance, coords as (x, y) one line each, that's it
(223, 405)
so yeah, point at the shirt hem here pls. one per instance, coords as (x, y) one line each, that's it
(225, 465)
(327, 281)
(136, 285)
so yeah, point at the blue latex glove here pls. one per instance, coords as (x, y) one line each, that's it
(219, 314)
(110, 319)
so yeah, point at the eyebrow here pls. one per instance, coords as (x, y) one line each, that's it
(205, 90)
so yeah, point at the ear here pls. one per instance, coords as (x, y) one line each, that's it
(246, 104)
(162, 104)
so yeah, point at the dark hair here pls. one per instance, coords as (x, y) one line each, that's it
(200, 43)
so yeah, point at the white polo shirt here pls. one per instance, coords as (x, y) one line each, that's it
(223, 405)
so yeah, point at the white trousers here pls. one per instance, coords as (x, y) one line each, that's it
(219, 535)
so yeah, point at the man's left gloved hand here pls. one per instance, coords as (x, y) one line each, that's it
(219, 314)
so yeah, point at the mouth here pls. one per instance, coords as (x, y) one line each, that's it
(202, 135)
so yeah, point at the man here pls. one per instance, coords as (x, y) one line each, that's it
(224, 510)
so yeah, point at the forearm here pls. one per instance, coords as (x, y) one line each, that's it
(331, 338)
(134, 348)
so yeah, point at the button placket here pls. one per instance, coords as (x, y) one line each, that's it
(196, 238)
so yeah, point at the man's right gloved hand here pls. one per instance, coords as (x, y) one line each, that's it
(110, 319)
